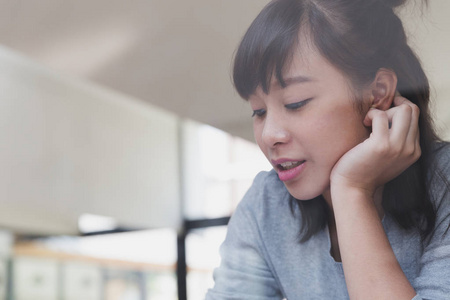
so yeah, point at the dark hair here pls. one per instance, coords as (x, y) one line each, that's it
(358, 37)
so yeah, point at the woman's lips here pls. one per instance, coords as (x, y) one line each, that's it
(289, 169)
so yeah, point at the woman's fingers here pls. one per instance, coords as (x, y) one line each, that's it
(379, 121)
(400, 118)
(413, 137)
(397, 126)
(415, 112)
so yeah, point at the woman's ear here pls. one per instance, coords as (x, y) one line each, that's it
(382, 89)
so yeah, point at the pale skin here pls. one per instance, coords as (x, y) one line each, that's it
(348, 156)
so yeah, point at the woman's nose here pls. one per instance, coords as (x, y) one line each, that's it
(275, 131)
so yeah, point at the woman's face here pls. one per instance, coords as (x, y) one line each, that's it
(304, 128)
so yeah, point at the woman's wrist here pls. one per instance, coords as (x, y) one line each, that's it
(344, 190)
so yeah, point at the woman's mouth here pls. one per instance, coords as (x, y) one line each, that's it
(288, 170)
(289, 165)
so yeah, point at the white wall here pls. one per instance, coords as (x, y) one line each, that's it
(428, 30)
(68, 148)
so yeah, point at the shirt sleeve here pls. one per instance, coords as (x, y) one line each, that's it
(243, 272)
(433, 281)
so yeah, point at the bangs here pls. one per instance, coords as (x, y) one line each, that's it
(267, 47)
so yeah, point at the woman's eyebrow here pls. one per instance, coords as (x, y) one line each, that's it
(297, 79)
(294, 80)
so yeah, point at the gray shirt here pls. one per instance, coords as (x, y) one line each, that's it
(263, 259)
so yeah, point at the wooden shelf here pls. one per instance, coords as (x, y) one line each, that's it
(35, 250)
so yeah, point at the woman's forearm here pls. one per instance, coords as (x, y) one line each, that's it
(370, 266)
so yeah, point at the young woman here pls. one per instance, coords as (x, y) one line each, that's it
(357, 204)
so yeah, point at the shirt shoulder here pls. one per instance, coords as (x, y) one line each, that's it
(265, 186)
(439, 173)
(441, 156)
(267, 199)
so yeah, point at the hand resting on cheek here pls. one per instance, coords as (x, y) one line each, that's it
(391, 148)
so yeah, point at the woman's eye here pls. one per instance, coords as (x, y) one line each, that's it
(258, 113)
(297, 105)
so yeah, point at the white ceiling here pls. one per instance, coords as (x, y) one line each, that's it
(175, 54)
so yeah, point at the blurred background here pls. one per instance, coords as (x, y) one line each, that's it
(124, 148)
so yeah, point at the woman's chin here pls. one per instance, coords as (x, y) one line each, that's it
(306, 194)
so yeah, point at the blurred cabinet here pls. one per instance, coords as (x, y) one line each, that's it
(35, 279)
(3, 278)
(40, 273)
(122, 284)
(81, 281)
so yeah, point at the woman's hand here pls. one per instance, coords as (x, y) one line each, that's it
(391, 148)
